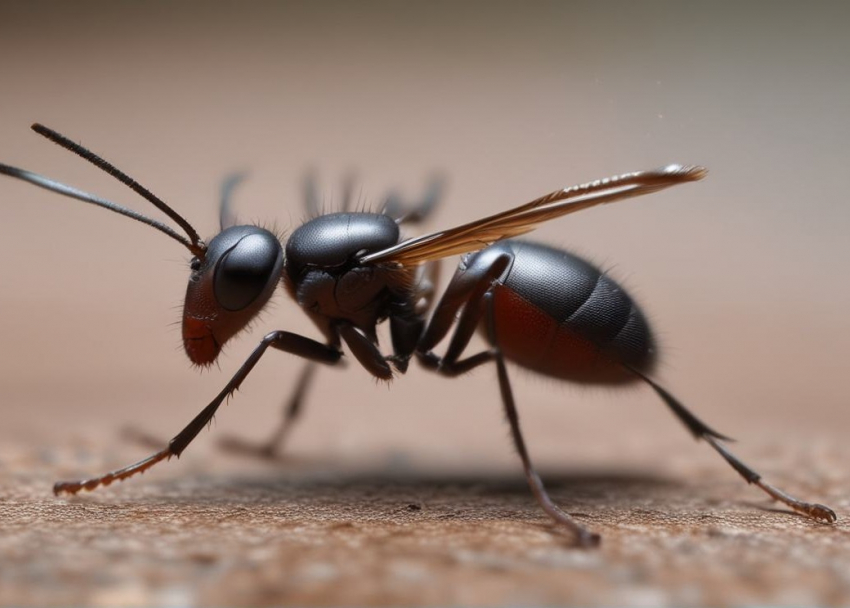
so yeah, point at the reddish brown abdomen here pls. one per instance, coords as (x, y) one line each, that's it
(558, 315)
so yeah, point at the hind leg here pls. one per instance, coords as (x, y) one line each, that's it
(702, 431)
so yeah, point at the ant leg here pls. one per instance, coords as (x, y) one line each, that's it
(226, 217)
(701, 431)
(451, 366)
(404, 214)
(365, 351)
(294, 407)
(584, 537)
(466, 290)
(291, 412)
(407, 320)
(281, 340)
(405, 330)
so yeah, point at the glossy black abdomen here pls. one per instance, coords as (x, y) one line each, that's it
(559, 315)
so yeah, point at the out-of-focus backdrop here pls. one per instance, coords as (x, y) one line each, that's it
(743, 275)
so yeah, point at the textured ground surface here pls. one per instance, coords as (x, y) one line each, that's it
(313, 533)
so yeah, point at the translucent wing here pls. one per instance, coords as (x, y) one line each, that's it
(480, 233)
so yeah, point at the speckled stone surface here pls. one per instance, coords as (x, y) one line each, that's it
(318, 534)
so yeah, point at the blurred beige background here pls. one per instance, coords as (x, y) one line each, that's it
(743, 275)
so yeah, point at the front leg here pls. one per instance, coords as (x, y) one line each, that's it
(365, 351)
(281, 340)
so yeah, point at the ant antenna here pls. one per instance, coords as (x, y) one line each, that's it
(54, 186)
(196, 246)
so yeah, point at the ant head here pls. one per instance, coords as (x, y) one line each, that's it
(228, 286)
(232, 278)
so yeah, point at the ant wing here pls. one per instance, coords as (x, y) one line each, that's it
(514, 222)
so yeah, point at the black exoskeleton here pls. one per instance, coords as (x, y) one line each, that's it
(539, 307)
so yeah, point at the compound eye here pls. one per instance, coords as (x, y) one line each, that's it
(245, 270)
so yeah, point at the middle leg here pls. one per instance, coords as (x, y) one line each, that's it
(293, 407)
(452, 365)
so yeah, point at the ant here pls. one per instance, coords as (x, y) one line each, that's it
(539, 307)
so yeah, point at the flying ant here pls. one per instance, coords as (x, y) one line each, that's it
(539, 307)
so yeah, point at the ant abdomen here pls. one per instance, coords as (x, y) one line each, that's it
(559, 315)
